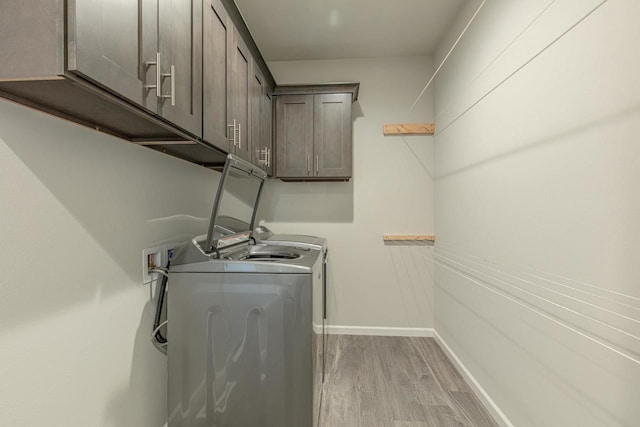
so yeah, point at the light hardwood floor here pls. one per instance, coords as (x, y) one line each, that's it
(395, 382)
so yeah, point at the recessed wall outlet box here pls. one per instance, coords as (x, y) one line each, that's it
(169, 251)
(152, 258)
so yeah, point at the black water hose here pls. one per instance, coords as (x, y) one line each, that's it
(162, 293)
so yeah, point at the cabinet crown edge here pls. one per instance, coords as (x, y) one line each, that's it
(319, 88)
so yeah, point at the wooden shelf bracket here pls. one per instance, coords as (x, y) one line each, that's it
(409, 129)
(408, 238)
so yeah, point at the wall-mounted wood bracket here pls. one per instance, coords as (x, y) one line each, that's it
(408, 237)
(409, 129)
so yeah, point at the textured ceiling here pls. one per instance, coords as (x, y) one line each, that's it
(334, 29)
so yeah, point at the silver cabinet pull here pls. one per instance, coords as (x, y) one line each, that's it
(173, 85)
(232, 133)
(308, 171)
(155, 63)
(317, 164)
(268, 156)
(172, 80)
(239, 137)
(235, 132)
(265, 152)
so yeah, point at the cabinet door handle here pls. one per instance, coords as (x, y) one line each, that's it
(265, 153)
(155, 63)
(172, 81)
(317, 164)
(268, 157)
(308, 171)
(173, 85)
(233, 132)
(239, 137)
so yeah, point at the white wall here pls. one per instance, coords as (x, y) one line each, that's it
(371, 285)
(537, 206)
(77, 208)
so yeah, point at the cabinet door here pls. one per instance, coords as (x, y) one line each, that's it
(104, 44)
(332, 135)
(256, 135)
(266, 118)
(241, 77)
(217, 45)
(294, 136)
(180, 47)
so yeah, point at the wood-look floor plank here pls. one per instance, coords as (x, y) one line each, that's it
(395, 382)
(401, 377)
(410, 424)
(339, 407)
(430, 390)
(371, 411)
(442, 368)
(376, 384)
(444, 416)
(467, 404)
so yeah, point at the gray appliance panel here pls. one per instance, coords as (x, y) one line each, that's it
(241, 352)
(263, 235)
(235, 204)
(188, 258)
(298, 240)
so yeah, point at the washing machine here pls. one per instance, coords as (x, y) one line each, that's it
(241, 343)
(263, 235)
(241, 347)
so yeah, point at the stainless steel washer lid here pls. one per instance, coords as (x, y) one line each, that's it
(298, 240)
(234, 209)
(261, 258)
(263, 235)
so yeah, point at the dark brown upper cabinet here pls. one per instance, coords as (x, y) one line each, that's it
(105, 44)
(147, 52)
(332, 135)
(232, 78)
(95, 62)
(266, 118)
(240, 94)
(184, 77)
(294, 136)
(179, 88)
(218, 33)
(314, 131)
(261, 121)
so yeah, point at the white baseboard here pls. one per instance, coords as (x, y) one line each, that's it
(375, 330)
(480, 392)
